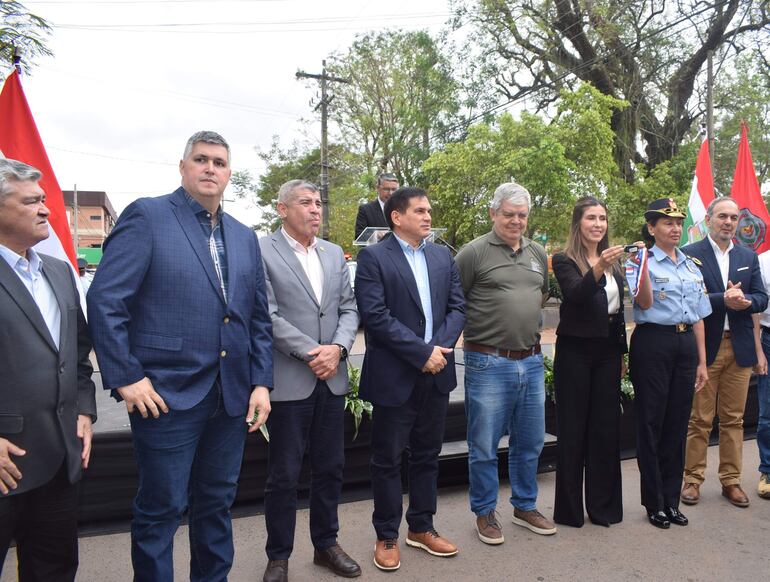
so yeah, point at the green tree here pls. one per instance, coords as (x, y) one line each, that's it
(303, 163)
(22, 34)
(400, 96)
(649, 54)
(556, 162)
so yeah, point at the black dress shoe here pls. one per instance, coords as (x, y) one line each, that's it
(335, 558)
(276, 571)
(676, 517)
(658, 519)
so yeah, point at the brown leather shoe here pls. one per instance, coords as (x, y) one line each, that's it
(432, 543)
(690, 493)
(276, 571)
(386, 555)
(735, 495)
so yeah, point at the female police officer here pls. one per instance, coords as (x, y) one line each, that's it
(667, 357)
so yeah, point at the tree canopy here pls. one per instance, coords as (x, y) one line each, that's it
(22, 35)
(649, 54)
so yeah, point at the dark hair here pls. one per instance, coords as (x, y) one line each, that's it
(400, 201)
(575, 248)
(646, 236)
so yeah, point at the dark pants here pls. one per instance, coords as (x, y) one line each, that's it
(662, 366)
(587, 379)
(43, 522)
(315, 423)
(186, 459)
(419, 425)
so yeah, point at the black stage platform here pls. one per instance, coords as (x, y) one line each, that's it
(109, 485)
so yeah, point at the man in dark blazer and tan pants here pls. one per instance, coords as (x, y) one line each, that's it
(736, 291)
(47, 399)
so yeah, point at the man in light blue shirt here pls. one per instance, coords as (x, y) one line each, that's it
(47, 401)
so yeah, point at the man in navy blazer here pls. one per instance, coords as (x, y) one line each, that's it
(412, 306)
(181, 328)
(734, 285)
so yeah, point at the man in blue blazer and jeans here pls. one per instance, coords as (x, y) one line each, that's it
(735, 289)
(412, 305)
(182, 333)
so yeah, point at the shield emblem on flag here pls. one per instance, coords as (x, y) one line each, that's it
(751, 230)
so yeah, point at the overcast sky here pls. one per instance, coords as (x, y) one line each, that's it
(131, 80)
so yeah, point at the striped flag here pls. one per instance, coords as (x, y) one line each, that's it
(754, 218)
(20, 140)
(701, 195)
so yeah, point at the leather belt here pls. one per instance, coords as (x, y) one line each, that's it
(726, 334)
(678, 327)
(502, 352)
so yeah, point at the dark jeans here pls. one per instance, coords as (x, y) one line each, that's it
(315, 423)
(419, 425)
(662, 366)
(587, 379)
(43, 522)
(187, 459)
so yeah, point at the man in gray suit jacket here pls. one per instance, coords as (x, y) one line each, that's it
(314, 324)
(47, 399)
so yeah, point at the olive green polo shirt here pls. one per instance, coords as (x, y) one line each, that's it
(503, 291)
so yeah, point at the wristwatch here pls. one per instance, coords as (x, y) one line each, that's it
(343, 352)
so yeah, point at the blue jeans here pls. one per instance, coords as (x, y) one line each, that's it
(763, 423)
(187, 459)
(504, 396)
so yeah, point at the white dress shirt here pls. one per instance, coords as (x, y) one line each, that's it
(310, 261)
(30, 274)
(723, 260)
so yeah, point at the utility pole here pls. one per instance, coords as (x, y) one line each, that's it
(710, 109)
(75, 217)
(325, 100)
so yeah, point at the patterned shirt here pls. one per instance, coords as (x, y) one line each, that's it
(216, 239)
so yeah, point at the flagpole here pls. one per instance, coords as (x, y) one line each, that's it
(710, 108)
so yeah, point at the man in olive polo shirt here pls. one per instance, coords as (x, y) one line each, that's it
(505, 280)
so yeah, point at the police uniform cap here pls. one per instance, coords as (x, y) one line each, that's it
(663, 207)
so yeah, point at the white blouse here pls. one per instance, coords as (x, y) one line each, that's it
(613, 294)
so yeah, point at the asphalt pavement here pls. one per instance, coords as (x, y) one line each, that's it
(722, 542)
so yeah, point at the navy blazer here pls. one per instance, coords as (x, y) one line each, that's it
(156, 308)
(744, 269)
(394, 323)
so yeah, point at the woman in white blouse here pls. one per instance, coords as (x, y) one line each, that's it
(591, 341)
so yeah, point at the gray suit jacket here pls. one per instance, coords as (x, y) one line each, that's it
(299, 322)
(43, 389)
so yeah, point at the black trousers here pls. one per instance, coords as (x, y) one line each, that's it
(315, 423)
(587, 379)
(662, 366)
(419, 426)
(43, 522)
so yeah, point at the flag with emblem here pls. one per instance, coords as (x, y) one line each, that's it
(20, 140)
(701, 195)
(754, 218)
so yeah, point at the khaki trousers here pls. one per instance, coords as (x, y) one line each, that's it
(725, 393)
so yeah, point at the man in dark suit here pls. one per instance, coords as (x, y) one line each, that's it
(179, 318)
(736, 291)
(373, 213)
(411, 302)
(314, 324)
(47, 399)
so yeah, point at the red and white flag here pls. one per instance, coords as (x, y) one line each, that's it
(20, 140)
(754, 218)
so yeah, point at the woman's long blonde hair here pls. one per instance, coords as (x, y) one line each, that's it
(575, 248)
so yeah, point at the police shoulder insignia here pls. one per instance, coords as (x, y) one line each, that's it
(695, 260)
